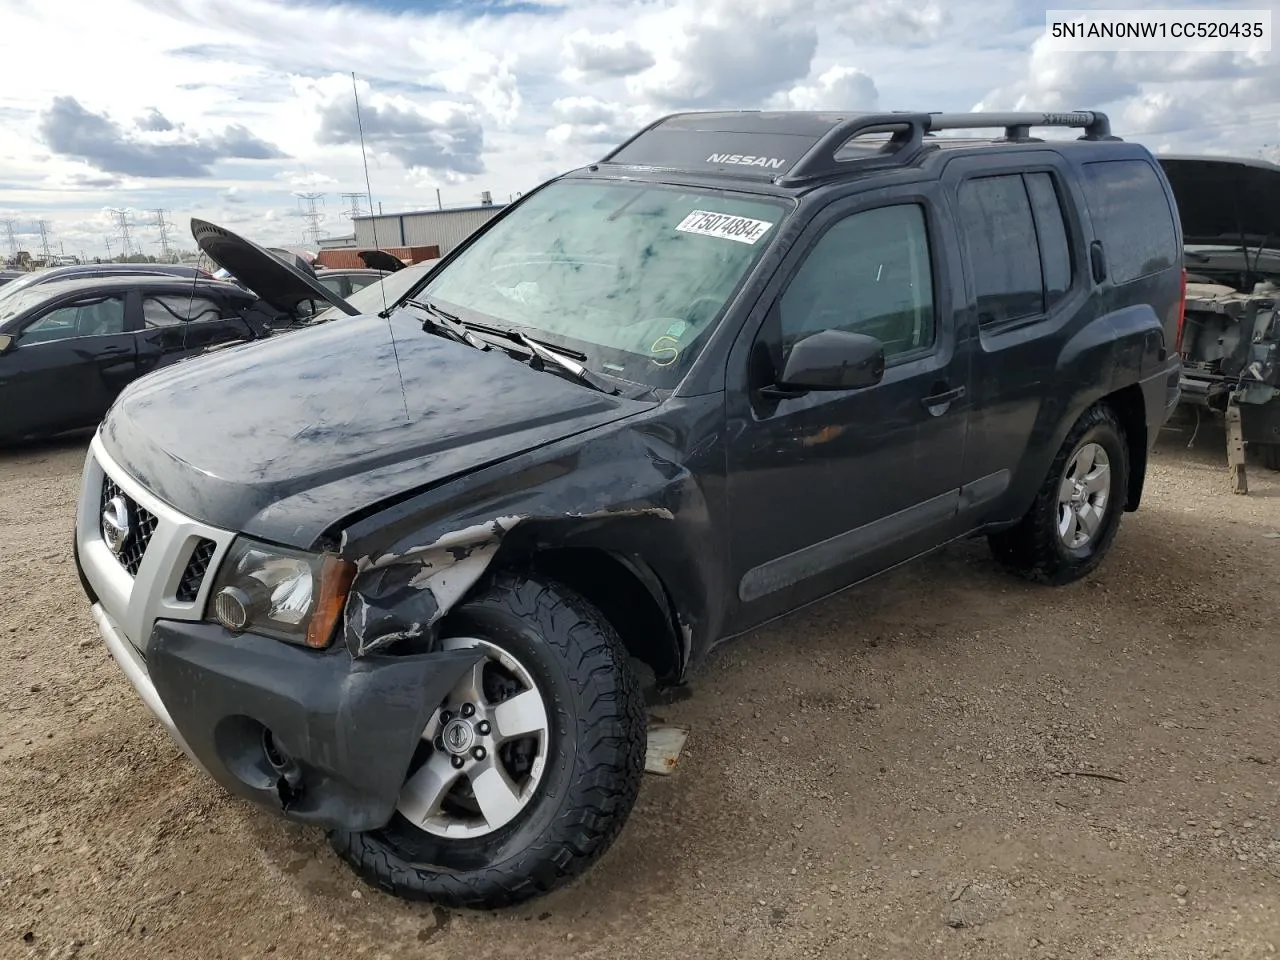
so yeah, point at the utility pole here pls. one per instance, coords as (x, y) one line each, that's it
(43, 227)
(312, 214)
(163, 226)
(126, 240)
(108, 240)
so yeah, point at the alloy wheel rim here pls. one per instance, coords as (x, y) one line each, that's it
(488, 749)
(1084, 496)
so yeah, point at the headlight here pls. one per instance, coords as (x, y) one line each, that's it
(286, 594)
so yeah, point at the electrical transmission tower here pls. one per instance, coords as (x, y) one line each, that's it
(43, 227)
(126, 239)
(312, 214)
(163, 225)
(354, 208)
(13, 240)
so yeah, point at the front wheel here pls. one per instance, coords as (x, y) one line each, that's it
(1074, 518)
(529, 769)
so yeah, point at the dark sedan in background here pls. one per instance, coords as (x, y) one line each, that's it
(84, 271)
(68, 348)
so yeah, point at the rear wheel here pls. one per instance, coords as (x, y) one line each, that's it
(1267, 454)
(528, 770)
(1074, 518)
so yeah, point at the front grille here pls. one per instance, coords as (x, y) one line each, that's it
(142, 524)
(197, 567)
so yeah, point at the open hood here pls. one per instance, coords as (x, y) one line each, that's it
(381, 260)
(1222, 199)
(280, 283)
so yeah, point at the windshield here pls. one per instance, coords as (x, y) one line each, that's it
(14, 287)
(374, 297)
(631, 275)
(26, 297)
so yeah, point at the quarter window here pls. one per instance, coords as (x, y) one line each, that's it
(1131, 217)
(869, 274)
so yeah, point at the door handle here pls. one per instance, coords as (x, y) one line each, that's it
(941, 399)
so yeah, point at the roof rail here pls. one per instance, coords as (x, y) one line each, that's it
(1017, 126)
(906, 138)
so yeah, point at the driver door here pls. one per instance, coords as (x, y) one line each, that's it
(831, 486)
(67, 365)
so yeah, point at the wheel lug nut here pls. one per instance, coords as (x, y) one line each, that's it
(479, 753)
(468, 710)
(439, 743)
(482, 728)
(458, 762)
(445, 716)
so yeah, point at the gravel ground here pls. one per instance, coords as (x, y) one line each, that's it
(906, 770)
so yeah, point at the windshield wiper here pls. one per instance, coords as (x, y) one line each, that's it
(446, 324)
(562, 362)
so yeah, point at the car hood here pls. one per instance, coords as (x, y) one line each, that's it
(280, 283)
(285, 438)
(1222, 198)
(380, 260)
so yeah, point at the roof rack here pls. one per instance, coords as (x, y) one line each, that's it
(790, 148)
(1017, 126)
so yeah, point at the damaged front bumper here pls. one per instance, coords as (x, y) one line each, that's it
(322, 737)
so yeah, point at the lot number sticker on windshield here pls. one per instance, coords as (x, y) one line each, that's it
(722, 225)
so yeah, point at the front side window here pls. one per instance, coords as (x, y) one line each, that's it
(96, 317)
(869, 274)
(633, 276)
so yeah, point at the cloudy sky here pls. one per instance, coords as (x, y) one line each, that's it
(228, 110)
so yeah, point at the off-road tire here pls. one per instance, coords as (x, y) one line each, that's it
(1267, 454)
(594, 765)
(1033, 549)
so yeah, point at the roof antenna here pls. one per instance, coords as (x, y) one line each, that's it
(382, 286)
(355, 92)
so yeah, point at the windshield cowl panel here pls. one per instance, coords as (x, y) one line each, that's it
(632, 276)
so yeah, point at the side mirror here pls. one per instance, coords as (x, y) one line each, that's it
(7, 342)
(832, 360)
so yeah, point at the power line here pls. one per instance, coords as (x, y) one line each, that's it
(163, 226)
(312, 214)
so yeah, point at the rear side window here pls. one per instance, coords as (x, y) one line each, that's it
(1001, 236)
(1019, 247)
(1131, 217)
(1051, 230)
(167, 310)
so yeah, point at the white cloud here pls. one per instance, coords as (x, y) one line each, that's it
(839, 88)
(476, 97)
(596, 56)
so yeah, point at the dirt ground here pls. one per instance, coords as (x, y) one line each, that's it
(898, 772)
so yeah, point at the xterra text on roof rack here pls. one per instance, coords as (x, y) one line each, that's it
(394, 575)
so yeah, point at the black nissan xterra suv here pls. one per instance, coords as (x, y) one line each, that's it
(395, 575)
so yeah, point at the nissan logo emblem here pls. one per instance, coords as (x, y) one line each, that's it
(115, 524)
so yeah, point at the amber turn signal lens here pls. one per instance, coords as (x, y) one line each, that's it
(335, 582)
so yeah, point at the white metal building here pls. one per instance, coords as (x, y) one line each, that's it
(423, 228)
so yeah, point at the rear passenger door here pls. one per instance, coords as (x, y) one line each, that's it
(178, 323)
(1022, 241)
